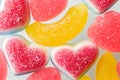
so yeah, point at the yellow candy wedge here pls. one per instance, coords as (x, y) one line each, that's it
(85, 78)
(62, 31)
(106, 68)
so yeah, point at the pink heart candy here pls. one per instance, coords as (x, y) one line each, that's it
(14, 15)
(74, 62)
(22, 56)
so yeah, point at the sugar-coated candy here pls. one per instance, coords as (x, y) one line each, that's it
(14, 15)
(3, 66)
(48, 73)
(22, 56)
(62, 31)
(118, 68)
(99, 6)
(75, 61)
(106, 68)
(85, 78)
(105, 31)
(43, 10)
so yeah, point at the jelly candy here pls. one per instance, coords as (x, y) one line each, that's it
(106, 68)
(22, 56)
(85, 78)
(99, 6)
(62, 31)
(3, 66)
(43, 10)
(49, 73)
(105, 31)
(118, 68)
(14, 15)
(74, 63)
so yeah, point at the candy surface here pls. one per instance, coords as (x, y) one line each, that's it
(74, 63)
(106, 68)
(99, 6)
(85, 78)
(14, 15)
(46, 74)
(22, 56)
(43, 10)
(105, 31)
(118, 68)
(3, 66)
(62, 31)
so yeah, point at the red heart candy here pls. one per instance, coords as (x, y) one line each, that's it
(14, 15)
(74, 63)
(3, 66)
(49, 73)
(22, 56)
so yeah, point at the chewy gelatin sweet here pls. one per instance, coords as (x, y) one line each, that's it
(14, 15)
(43, 10)
(75, 61)
(62, 31)
(99, 6)
(106, 68)
(3, 66)
(48, 73)
(105, 31)
(85, 78)
(22, 56)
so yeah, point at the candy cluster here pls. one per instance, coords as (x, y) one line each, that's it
(73, 61)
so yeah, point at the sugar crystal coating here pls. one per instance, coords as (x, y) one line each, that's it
(62, 31)
(14, 15)
(43, 10)
(22, 57)
(75, 63)
(49, 73)
(105, 31)
(106, 68)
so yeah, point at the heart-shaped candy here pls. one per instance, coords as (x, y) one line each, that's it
(22, 56)
(3, 66)
(74, 63)
(49, 73)
(14, 15)
(105, 31)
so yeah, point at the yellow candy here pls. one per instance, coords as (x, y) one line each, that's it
(106, 68)
(62, 31)
(85, 78)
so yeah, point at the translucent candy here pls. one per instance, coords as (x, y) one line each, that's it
(62, 31)
(99, 6)
(75, 61)
(106, 68)
(3, 66)
(49, 73)
(105, 31)
(14, 15)
(43, 10)
(22, 56)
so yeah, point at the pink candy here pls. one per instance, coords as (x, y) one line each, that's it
(43, 10)
(14, 15)
(22, 56)
(105, 31)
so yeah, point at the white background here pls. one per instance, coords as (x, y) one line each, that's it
(81, 36)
